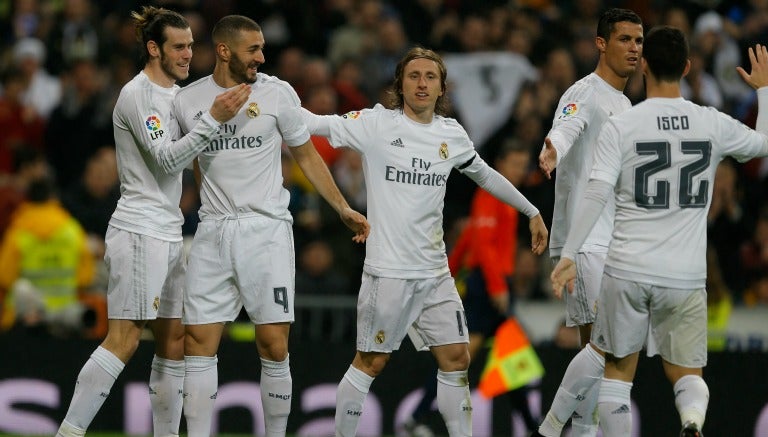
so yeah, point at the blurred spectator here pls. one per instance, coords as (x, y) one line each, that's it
(47, 247)
(359, 35)
(378, 67)
(348, 83)
(28, 165)
(81, 124)
(322, 100)
(754, 259)
(75, 35)
(189, 203)
(20, 125)
(348, 173)
(93, 198)
(726, 227)
(699, 86)
(27, 19)
(719, 304)
(42, 92)
(722, 56)
(316, 273)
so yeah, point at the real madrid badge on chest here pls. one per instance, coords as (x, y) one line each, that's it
(443, 151)
(253, 110)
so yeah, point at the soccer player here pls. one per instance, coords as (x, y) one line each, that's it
(143, 242)
(408, 153)
(658, 161)
(242, 254)
(569, 146)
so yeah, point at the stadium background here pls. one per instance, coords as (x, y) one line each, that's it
(509, 61)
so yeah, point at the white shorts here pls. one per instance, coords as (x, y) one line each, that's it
(388, 307)
(244, 262)
(677, 319)
(581, 305)
(146, 276)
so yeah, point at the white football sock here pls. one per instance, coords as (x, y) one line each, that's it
(350, 397)
(578, 393)
(201, 382)
(91, 390)
(692, 399)
(615, 408)
(166, 390)
(276, 387)
(454, 403)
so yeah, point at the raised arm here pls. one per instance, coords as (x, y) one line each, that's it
(174, 156)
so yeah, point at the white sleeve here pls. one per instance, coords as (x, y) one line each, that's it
(565, 134)
(496, 184)
(175, 155)
(588, 211)
(761, 125)
(317, 124)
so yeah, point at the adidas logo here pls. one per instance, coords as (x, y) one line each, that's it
(198, 115)
(624, 409)
(397, 143)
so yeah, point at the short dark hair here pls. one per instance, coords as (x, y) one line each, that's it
(228, 28)
(41, 190)
(665, 49)
(396, 92)
(607, 23)
(151, 23)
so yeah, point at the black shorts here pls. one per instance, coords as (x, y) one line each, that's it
(482, 317)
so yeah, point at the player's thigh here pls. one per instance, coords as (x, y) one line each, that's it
(442, 320)
(264, 265)
(581, 305)
(623, 316)
(210, 295)
(679, 325)
(140, 268)
(386, 307)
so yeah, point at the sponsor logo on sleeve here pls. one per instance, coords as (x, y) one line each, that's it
(351, 115)
(154, 126)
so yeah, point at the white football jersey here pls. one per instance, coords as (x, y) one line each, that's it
(406, 166)
(241, 170)
(582, 110)
(149, 193)
(661, 156)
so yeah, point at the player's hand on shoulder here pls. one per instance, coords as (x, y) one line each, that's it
(227, 104)
(563, 275)
(357, 222)
(548, 158)
(539, 234)
(758, 58)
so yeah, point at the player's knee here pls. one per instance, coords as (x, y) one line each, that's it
(371, 363)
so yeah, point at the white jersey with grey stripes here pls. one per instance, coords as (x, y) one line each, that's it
(241, 168)
(406, 166)
(580, 115)
(150, 161)
(662, 156)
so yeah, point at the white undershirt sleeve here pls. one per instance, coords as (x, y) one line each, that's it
(564, 135)
(761, 125)
(174, 156)
(588, 211)
(496, 184)
(317, 124)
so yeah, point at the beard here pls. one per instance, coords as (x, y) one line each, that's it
(239, 71)
(168, 68)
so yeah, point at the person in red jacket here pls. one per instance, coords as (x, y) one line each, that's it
(483, 262)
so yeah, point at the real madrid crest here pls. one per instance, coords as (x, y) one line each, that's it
(380, 337)
(156, 303)
(443, 151)
(253, 110)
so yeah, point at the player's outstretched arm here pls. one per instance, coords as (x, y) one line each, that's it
(758, 58)
(539, 234)
(317, 172)
(548, 158)
(563, 275)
